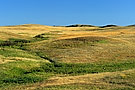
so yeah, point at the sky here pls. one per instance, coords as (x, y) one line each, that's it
(67, 12)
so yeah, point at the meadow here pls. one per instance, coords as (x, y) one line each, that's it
(39, 57)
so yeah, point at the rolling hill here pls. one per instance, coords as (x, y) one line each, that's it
(74, 57)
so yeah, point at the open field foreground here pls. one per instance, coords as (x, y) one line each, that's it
(39, 57)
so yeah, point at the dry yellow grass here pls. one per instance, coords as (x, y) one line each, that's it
(117, 35)
(30, 30)
(121, 38)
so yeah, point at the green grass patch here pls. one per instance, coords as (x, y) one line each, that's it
(12, 52)
(15, 73)
(77, 69)
(14, 41)
(22, 80)
(102, 41)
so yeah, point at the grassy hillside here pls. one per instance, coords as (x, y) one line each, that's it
(42, 57)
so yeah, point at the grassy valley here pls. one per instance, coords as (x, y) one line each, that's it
(75, 57)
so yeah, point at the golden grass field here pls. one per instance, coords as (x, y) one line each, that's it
(71, 45)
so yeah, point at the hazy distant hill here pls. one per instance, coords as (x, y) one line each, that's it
(109, 26)
(80, 25)
(131, 25)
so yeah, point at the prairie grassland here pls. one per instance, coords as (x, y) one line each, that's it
(42, 57)
(87, 49)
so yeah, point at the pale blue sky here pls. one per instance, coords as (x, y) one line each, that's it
(65, 12)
